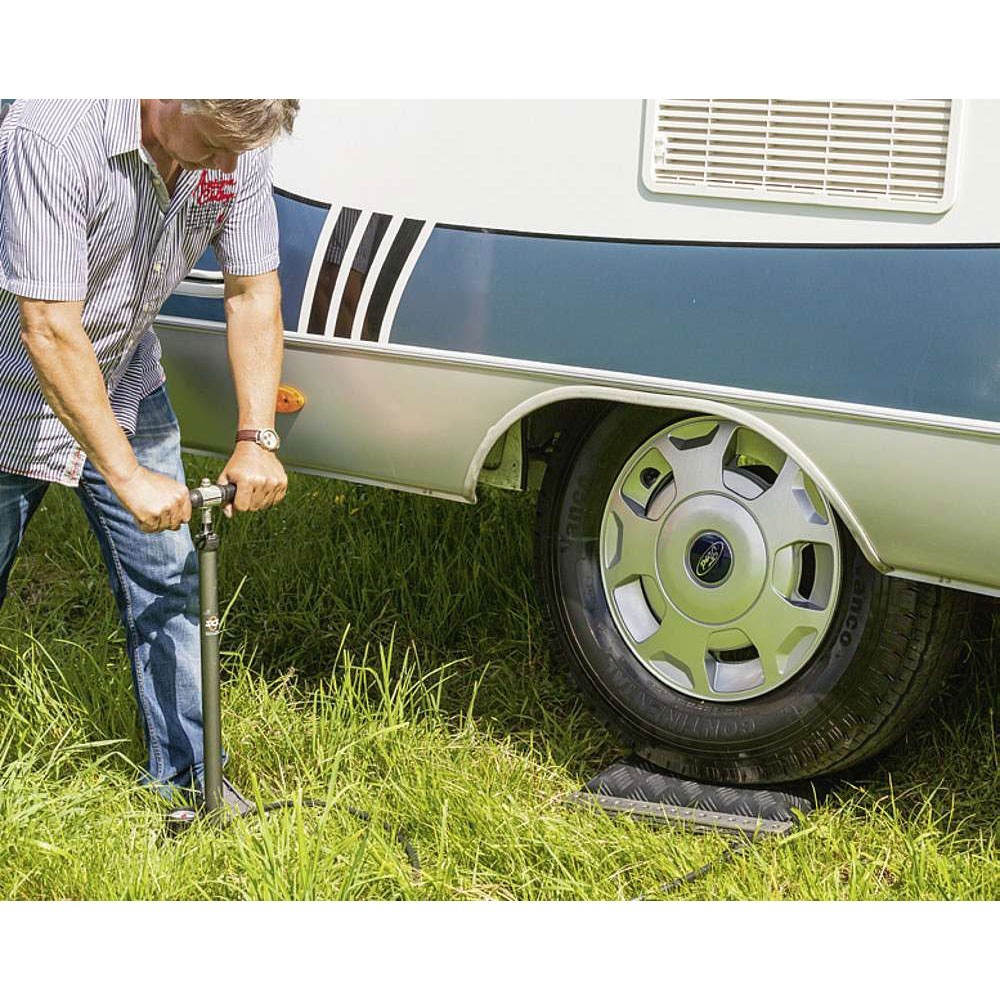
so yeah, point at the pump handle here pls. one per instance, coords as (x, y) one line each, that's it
(213, 496)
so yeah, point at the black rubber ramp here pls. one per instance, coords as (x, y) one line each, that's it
(635, 787)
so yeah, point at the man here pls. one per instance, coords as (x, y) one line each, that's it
(105, 206)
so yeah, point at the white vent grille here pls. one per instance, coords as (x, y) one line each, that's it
(886, 154)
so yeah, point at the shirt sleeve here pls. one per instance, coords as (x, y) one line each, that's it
(248, 241)
(43, 221)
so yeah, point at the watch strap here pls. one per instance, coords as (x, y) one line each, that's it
(268, 438)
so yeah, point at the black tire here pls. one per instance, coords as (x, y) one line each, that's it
(890, 645)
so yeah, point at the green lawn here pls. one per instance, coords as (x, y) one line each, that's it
(384, 651)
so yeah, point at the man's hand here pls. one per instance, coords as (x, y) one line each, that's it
(260, 478)
(157, 502)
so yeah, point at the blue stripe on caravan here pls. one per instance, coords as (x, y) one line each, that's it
(912, 328)
(299, 225)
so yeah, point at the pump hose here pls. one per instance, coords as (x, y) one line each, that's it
(408, 849)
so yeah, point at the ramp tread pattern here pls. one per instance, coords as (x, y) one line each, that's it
(636, 787)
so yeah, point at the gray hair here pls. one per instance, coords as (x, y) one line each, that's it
(247, 124)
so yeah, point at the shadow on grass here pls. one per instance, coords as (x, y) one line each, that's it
(944, 770)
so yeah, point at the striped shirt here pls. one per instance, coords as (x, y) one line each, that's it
(85, 216)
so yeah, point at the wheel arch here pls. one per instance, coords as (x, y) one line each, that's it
(548, 399)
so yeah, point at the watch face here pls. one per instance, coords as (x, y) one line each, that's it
(269, 439)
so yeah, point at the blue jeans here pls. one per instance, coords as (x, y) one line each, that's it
(154, 578)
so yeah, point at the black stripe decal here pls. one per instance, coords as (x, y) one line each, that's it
(301, 198)
(744, 244)
(395, 260)
(332, 259)
(360, 268)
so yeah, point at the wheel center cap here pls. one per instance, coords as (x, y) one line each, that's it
(711, 559)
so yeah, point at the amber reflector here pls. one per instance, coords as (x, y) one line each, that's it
(290, 400)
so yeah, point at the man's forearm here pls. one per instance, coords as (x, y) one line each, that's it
(255, 342)
(71, 381)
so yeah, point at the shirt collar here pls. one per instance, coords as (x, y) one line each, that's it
(122, 127)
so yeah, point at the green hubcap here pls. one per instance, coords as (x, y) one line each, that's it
(720, 560)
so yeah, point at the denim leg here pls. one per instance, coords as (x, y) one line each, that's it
(19, 499)
(154, 578)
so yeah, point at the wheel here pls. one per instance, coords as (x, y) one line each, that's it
(714, 610)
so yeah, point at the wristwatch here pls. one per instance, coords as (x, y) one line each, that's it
(267, 438)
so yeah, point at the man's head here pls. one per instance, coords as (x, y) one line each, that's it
(210, 134)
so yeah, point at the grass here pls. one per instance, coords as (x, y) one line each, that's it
(384, 652)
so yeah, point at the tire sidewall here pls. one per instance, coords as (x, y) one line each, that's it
(790, 730)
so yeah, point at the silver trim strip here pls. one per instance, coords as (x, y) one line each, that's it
(201, 284)
(201, 289)
(721, 393)
(836, 409)
(200, 275)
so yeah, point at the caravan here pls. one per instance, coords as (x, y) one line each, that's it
(749, 349)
